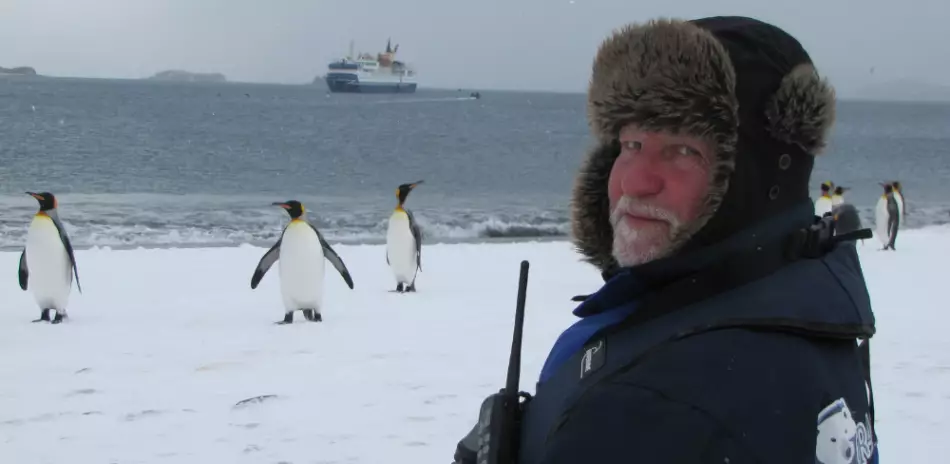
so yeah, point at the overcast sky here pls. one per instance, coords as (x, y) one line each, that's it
(508, 44)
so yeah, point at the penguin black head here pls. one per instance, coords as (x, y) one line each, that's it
(888, 188)
(897, 185)
(294, 208)
(402, 192)
(46, 199)
(839, 190)
(826, 186)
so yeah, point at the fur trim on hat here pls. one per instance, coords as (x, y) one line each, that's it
(590, 207)
(802, 110)
(672, 75)
(666, 74)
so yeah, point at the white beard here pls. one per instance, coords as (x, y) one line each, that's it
(626, 249)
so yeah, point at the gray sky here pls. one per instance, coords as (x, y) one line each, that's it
(509, 44)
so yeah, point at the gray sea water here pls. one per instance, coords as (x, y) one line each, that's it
(158, 164)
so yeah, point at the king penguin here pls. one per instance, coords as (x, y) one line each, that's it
(838, 197)
(823, 204)
(301, 250)
(899, 196)
(47, 263)
(887, 217)
(404, 242)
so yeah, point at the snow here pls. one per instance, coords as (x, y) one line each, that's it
(164, 344)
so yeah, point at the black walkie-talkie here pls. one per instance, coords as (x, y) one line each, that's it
(500, 415)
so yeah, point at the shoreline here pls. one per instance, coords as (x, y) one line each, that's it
(334, 242)
(938, 229)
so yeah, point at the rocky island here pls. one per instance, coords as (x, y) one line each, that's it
(185, 76)
(18, 71)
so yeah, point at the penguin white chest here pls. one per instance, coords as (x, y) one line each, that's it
(401, 248)
(48, 262)
(822, 206)
(301, 267)
(880, 221)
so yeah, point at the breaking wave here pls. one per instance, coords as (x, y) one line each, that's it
(127, 221)
(168, 226)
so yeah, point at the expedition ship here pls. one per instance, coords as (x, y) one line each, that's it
(366, 74)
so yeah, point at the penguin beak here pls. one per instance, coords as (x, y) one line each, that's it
(282, 205)
(415, 184)
(35, 195)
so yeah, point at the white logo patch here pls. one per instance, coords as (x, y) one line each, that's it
(841, 440)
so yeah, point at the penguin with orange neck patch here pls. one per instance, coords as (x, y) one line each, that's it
(837, 199)
(899, 196)
(404, 242)
(824, 204)
(47, 263)
(301, 250)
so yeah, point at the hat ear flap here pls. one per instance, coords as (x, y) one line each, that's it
(592, 232)
(802, 110)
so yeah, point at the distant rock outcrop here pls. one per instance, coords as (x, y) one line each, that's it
(185, 76)
(19, 71)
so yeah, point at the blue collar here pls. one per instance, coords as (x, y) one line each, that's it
(631, 283)
(619, 297)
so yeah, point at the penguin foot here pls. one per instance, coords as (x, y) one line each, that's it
(312, 315)
(288, 319)
(399, 288)
(411, 288)
(59, 318)
(44, 316)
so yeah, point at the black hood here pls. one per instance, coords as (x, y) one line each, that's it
(747, 86)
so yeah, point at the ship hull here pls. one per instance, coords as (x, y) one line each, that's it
(352, 84)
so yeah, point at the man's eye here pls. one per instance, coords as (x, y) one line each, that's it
(632, 145)
(686, 150)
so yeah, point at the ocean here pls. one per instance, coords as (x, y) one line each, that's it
(138, 163)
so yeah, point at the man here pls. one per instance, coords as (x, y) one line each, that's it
(727, 329)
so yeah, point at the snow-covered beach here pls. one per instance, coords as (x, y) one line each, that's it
(164, 344)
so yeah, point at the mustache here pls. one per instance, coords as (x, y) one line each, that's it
(629, 205)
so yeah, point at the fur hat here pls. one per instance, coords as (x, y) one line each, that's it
(746, 86)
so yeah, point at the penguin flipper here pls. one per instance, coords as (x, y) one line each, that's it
(334, 258)
(69, 248)
(268, 260)
(417, 236)
(24, 272)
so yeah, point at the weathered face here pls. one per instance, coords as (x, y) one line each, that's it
(657, 187)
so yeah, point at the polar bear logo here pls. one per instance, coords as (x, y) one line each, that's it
(836, 435)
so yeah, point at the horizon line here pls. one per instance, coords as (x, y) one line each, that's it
(851, 98)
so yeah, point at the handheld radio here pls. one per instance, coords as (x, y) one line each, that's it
(498, 428)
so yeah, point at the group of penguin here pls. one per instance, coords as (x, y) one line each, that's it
(47, 263)
(888, 213)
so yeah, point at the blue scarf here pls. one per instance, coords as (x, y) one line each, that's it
(620, 295)
(592, 320)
